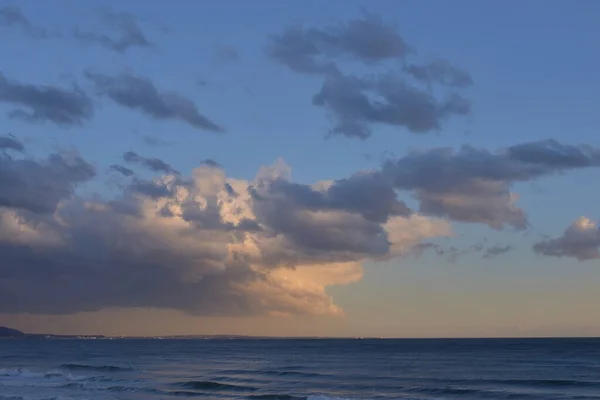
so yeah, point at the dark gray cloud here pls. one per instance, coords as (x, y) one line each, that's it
(473, 185)
(38, 186)
(46, 103)
(127, 33)
(581, 240)
(359, 104)
(313, 50)
(154, 190)
(10, 143)
(122, 170)
(353, 209)
(154, 164)
(12, 16)
(364, 193)
(140, 93)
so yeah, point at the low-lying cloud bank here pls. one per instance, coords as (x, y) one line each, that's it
(209, 244)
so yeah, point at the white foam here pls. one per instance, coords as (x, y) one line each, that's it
(25, 377)
(25, 373)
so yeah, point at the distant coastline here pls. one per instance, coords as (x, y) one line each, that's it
(9, 333)
(14, 334)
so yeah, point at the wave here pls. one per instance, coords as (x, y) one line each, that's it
(211, 385)
(105, 368)
(550, 383)
(25, 373)
(323, 397)
(274, 397)
(285, 371)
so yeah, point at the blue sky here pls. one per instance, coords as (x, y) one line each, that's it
(532, 64)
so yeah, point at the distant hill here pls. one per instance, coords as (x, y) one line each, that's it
(11, 333)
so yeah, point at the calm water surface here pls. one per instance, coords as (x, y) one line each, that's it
(299, 369)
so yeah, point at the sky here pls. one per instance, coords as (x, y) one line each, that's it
(300, 168)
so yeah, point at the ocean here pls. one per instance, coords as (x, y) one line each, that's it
(290, 369)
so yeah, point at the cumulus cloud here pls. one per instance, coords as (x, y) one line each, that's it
(314, 50)
(140, 93)
(474, 185)
(154, 164)
(357, 104)
(38, 186)
(208, 245)
(12, 16)
(126, 27)
(46, 103)
(581, 240)
(404, 99)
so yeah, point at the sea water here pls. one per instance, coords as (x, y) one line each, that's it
(314, 369)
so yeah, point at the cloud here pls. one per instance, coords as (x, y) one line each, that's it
(453, 253)
(403, 99)
(359, 103)
(474, 185)
(12, 16)
(140, 93)
(497, 250)
(580, 240)
(38, 186)
(208, 245)
(212, 163)
(312, 50)
(442, 72)
(153, 164)
(122, 170)
(46, 103)
(10, 143)
(125, 25)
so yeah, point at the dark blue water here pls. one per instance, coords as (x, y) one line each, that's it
(299, 369)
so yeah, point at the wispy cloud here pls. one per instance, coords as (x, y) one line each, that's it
(41, 103)
(140, 93)
(126, 33)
